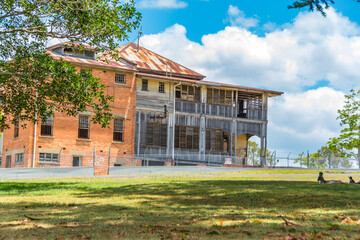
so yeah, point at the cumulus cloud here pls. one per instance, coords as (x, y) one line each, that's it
(238, 18)
(304, 121)
(296, 57)
(162, 4)
(305, 54)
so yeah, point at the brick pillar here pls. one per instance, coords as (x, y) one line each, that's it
(101, 167)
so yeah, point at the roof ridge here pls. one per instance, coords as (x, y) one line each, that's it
(133, 45)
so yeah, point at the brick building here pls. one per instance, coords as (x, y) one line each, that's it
(165, 114)
(71, 141)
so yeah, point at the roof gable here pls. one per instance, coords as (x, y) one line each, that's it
(148, 61)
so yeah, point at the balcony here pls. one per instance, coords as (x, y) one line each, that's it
(218, 110)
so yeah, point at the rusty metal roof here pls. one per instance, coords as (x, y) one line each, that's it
(148, 61)
(84, 61)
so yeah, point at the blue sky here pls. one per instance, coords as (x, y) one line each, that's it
(260, 43)
(201, 17)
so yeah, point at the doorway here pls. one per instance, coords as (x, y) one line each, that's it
(76, 161)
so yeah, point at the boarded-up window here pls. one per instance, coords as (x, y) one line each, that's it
(216, 97)
(156, 134)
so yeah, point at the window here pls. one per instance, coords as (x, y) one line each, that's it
(214, 140)
(216, 96)
(77, 161)
(8, 161)
(48, 157)
(118, 129)
(161, 87)
(188, 93)
(19, 158)
(84, 123)
(144, 86)
(186, 137)
(0, 160)
(156, 134)
(120, 78)
(47, 127)
(16, 130)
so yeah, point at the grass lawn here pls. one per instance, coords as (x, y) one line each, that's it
(189, 207)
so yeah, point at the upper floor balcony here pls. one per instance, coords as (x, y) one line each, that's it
(237, 111)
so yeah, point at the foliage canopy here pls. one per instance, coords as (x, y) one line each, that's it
(32, 81)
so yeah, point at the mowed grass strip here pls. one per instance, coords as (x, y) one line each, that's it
(178, 208)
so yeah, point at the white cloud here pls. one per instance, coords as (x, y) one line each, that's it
(162, 4)
(310, 49)
(299, 55)
(304, 121)
(238, 18)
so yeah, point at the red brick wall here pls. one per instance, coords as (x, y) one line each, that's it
(65, 130)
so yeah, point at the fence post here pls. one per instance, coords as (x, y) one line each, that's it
(94, 155)
(308, 157)
(288, 159)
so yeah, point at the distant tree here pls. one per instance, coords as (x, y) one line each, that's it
(31, 82)
(325, 157)
(349, 140)
(317, 5)
(254, 153)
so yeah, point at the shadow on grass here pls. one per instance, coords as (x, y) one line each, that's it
(175, 209)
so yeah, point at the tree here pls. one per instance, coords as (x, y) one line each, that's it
(318, 5)
(325, 157)
(254, 152)
(349, 139)
(31, 81)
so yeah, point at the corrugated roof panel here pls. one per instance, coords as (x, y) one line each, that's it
(149, 60)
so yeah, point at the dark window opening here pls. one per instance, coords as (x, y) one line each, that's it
(144, 86)
(16, 130)
(161, 87)
(84, 130)
(47, 127)
(118, 130)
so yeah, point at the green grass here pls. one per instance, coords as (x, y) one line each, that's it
(187, 207)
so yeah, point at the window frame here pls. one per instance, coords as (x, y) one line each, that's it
(19, 158)
(120, 78)
(144, 83)
(43, 157)
(161, 87)
(119, 131)
(16, 130)
(80, 128)
(49, 123)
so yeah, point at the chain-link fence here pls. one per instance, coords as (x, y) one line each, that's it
(82, 163)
